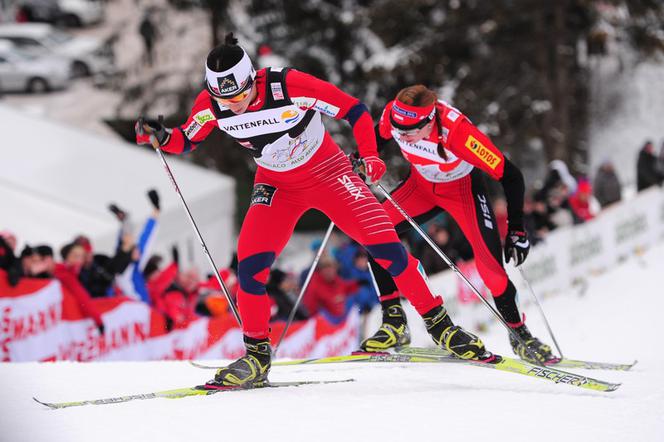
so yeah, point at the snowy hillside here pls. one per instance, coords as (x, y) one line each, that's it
(618, 319)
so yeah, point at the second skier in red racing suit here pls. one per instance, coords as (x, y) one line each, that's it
(448, 156)
(276, 115)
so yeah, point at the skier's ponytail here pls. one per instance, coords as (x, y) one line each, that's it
(230, 40)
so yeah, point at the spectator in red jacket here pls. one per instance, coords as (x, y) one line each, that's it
(327, 292)
(67, 273)
(180, 299)
(580, 202)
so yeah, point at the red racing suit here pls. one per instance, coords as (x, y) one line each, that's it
(450, 179)
(300, 167)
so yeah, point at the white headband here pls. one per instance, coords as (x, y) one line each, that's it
(231, 81)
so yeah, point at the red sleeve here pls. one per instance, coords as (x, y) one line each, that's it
(159, 283)
(198, 126)
(71, 283)
(471, 145)
(309, 92)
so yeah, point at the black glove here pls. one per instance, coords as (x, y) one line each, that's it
(517, 246)
(155, 128)
(154, 198)
(100, 327)
(357, 164)
(175, 253)
(120, 214)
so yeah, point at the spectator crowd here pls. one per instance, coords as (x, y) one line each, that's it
(341, 280)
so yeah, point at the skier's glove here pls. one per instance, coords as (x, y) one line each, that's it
(517, 246)
(152, 132)
(370, 168)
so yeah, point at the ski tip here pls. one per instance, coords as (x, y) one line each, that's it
(42, 403)
(613, 387)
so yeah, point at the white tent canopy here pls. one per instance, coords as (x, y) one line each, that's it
(56, 182)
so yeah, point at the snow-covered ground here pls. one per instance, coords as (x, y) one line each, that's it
(617, 319)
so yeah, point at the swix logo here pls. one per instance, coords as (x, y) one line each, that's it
(351, 187)
(485, 211)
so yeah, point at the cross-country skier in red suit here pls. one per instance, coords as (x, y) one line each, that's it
(276, 115)
(448, 156)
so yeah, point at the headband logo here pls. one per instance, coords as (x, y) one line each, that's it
(227, 84)
(403, 112)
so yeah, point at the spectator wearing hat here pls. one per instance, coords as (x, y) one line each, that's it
(580, 202)
(98, 271)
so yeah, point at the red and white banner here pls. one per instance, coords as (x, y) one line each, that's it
(41, 321)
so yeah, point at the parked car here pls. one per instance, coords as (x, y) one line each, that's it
(22, 71)
(72, 13)
(87, 55)
(81, 12)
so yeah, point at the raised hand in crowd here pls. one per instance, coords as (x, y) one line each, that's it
(7, 246)
(154, 198)
(175, 254)
(120, 214)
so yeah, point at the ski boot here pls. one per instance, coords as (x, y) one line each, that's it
(392, 333)
(249, 371)
(453, 338)
(539, 349)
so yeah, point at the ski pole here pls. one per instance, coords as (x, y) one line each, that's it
(455, 269)
(157, 148)
(539, 306)
(304, 286)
